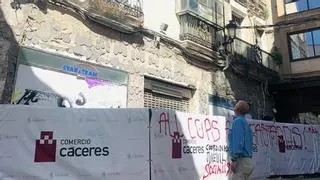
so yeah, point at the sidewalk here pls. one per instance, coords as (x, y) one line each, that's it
(296, 178)
(310, 177)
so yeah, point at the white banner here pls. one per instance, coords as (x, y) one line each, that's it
(261, 147)
(295, 149)
(189, 146)
(73, 144)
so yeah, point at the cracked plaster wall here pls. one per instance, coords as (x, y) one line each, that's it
(63, 33)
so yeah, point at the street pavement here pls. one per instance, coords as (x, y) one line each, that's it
(296, 178)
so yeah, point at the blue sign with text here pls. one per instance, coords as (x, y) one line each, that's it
(81, 71)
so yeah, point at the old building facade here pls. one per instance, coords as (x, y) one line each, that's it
(161, 54)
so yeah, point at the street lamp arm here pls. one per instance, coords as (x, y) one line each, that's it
(257, 27)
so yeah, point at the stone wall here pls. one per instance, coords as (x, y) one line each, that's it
(63, 32)
(8, 57)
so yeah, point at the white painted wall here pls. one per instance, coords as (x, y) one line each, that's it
(161, 11)
(164, 11)
(53, 85)
(249, 35)
(305, 66)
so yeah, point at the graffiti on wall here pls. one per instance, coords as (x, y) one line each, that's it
(56, 89)
(33, 97)
(36, 97)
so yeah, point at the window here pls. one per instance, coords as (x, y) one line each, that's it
(238, 20)
(203, 8)
(209, 10)
(163, 95)
(316, 44)
(219, 13)
(293, 6)
(305, 44)
(314, 4)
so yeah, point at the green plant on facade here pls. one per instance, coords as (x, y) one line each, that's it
(277, 56)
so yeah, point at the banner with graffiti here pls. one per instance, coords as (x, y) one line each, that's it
(190, 146)
(69, 144)
(73, 144)
(293, 148)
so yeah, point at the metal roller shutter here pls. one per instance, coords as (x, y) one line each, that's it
(161, 94)
(155, 100)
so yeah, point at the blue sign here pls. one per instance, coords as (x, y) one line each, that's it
(80, 71)
(222, 102)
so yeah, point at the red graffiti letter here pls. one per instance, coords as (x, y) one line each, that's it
(201, 130)
(192, 137)
(213, 124)
(207, 126)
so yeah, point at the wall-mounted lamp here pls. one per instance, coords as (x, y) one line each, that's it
(163, 29)
(231, 28)
(231, 34)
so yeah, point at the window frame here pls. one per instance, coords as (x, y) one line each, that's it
(308, 8)
(290, 47)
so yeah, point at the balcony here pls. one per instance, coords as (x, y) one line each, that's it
(200, 22)
(198, 31)
(122, 15)
(261, 61)
(127, 12)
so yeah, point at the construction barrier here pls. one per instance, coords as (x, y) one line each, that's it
(71, 144)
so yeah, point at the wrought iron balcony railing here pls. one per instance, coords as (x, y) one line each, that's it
(198, 31)
(248, 52)
(200, 21)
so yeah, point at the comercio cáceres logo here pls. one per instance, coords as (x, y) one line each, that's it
(46, 147)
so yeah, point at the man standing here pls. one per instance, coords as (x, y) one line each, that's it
(240, 143)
